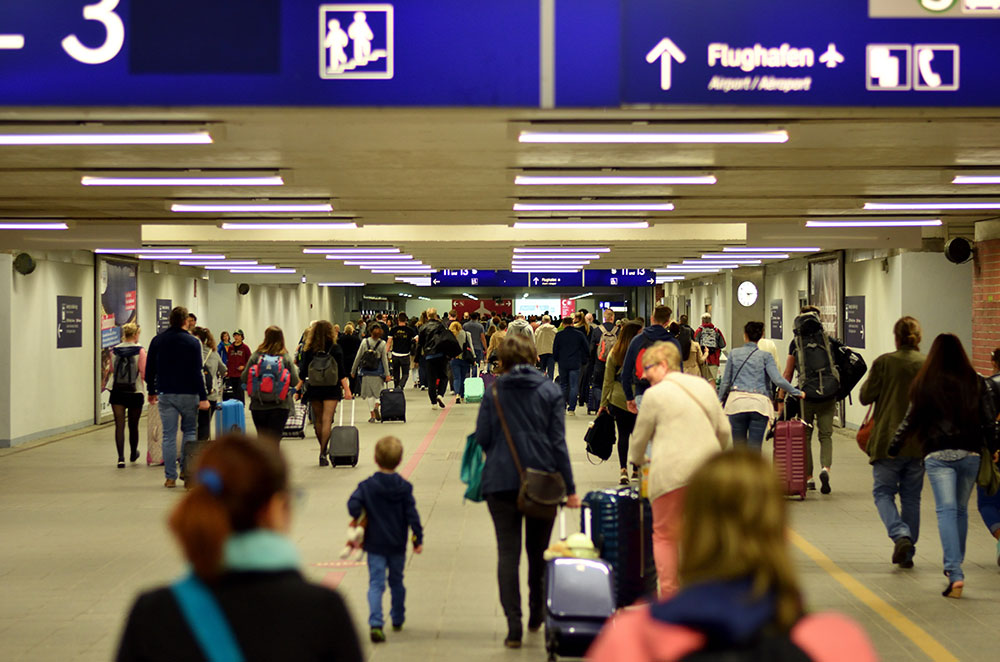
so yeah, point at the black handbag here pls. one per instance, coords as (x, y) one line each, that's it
(541, 492)
(729, 388)
(600, 436)
(468, 354)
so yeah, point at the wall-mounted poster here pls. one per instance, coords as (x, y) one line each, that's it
(117, 291)
(163, 308)
(69, 322)
(776, 308)
(854, 322)
(826, 291)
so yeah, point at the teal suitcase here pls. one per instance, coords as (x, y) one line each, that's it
(474, 388)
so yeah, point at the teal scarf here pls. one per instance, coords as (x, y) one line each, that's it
(260, 550)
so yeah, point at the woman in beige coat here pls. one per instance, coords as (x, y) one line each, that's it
(682, 423)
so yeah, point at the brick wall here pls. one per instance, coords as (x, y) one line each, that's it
(985, 304)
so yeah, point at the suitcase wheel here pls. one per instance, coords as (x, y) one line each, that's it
(354, 461)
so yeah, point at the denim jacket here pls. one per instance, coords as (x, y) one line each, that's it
(756, 376)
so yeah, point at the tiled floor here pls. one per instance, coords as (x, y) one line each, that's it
(79, 538)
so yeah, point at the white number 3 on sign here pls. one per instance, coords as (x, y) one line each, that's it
(103, 11)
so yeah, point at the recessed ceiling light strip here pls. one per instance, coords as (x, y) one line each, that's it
(341, 284)
(649, 138)
(976, 179)
(874, 223)
(788, 249)
(619, 180)
(593, 206)
(33, 226)
(289, 226)
(90, 137)
(562, 249)
(250, 208)
(573, 225)
(144, 251)
(95, 180)
(929, 206)
(745, 256)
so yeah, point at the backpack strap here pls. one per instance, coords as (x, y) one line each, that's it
(207, 622)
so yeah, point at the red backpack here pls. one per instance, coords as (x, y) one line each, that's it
(639, 370)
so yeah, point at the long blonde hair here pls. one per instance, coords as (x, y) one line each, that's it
(735, 527)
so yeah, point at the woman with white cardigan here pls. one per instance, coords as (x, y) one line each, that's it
(683, 425)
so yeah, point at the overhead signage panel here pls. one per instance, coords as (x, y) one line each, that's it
(270, 52)
(618, 277)
(478, 278)
(542, 279)
(822, 52)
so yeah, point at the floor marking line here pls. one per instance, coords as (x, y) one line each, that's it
(928, 644)
(419, 453)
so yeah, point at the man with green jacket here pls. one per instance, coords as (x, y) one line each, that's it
(888, 387)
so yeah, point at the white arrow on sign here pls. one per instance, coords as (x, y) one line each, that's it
(666, 51)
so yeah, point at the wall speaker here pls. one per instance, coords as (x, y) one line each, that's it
(958, 250)
(243, 288)
(24, 264)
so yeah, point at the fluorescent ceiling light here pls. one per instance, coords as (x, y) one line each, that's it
(718, 263)
(749, 137)
(745, 256)
(218, 266)
(976, 179)
(168, 258)
(249, 208)
(581, 296)
(289, 226)
(231, 263)
(579, 249)
(675, 268)
(350, 251)
(928, 206)
(747, 249)
(206, 180)
(620, 180)
(402, 270)
(33, 226)
(144, 251)
(539, 270)
(875, 223)
(260, 270)
(736, 259)
(572, 225)
(469, 296)
(563, 256)
(103, 136)
(347, 259)
(341, 284)
(593, 206)
(424, 298)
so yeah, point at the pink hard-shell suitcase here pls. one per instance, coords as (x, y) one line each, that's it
(790, 456)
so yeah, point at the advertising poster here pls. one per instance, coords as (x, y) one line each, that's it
(854, 322)
(777, 319)
(117, 291)
(485, 307)
(69, 322)
(163, 308)
(826, 292)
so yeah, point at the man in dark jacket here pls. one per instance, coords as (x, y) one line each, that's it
(632, 383)
(429, 341)
(570, 351)
(174, 381)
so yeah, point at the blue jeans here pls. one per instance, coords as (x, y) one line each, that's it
(903, 476)
(989, 510)
(548, 362)
(173, 405)
(459, 371)
(952, 483)
(569, 382)
(748, 429)
(377, 566)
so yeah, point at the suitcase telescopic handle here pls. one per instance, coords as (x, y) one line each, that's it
(562, 523)
(341, 423)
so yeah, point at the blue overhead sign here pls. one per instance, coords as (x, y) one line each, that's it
(544, 279)
(821, 52)
(478, 278)
(270, 52)
(618, 277)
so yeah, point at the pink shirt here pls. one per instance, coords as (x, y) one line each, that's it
(634, 635)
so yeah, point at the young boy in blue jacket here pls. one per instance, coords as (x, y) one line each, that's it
(386, 498)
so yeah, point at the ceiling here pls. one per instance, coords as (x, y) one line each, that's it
(439, 183)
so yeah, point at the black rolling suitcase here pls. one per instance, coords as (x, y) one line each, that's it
(344, 441)
(579, 598)
(622, 530)
(392, 405)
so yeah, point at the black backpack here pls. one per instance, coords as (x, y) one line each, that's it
(206, 374)
(369, 357)
(818, 374)
(126, 369)
(851, 367)
(323, 369)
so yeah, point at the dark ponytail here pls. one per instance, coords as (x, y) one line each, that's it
(236, 479)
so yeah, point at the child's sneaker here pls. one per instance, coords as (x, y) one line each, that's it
(377, 635)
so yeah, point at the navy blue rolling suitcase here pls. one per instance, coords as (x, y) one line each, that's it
(579, 598)
(594, 400)
(622, 530)
(392, 405)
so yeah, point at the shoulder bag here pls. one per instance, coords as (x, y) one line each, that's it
(541, 491)
(732, 381)
(865, 431)
(207, 622)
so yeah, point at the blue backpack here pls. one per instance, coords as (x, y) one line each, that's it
(269, 380)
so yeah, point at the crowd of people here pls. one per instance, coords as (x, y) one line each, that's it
(718, 514)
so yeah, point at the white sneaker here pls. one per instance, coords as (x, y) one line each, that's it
(570, 412)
